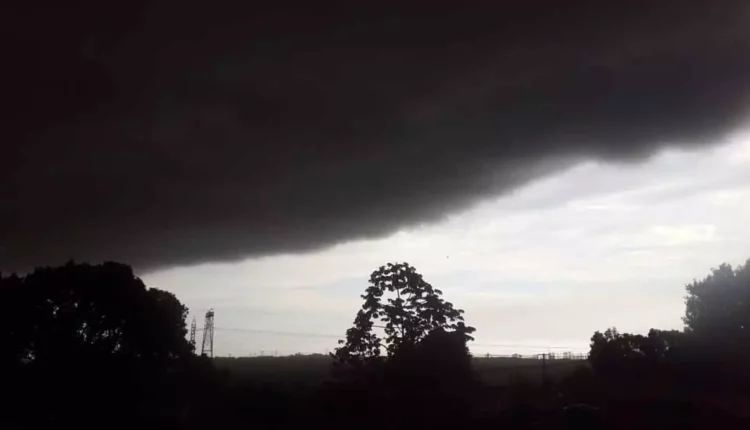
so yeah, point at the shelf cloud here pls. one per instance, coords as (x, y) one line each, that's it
(173, 133)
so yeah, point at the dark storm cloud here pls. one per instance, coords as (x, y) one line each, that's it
(182, 132)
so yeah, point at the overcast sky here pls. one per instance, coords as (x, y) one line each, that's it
(598, 245)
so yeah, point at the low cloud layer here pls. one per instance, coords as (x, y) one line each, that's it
(178, 133)
(597, 246)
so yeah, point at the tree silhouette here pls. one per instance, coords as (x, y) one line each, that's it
(408, 314)
(439, 365)
(719, 305)
(90, 335)
(717, 328)
(709, 356)
(80, 310)
(613, 348)
(717, 320)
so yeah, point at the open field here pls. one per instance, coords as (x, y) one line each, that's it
(315, 368)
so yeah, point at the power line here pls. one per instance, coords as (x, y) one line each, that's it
(523, 346)
(334, 336)
(280, 333)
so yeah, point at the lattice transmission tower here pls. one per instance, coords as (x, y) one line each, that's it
(207, 348)
(192, 334)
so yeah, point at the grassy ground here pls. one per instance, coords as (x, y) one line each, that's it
(313, 369)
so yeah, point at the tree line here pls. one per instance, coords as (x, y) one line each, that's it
(710, 357)
(91, 345)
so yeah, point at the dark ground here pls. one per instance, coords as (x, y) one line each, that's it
(316, 368)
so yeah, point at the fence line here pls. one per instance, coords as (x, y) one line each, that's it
(565, 356)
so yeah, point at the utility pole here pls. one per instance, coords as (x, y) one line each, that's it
(192, 333)
(207, 347)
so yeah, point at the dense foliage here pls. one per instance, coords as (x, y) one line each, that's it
(93, 337)
(413, 311)
(710, 356)
(80, 311)
(719, 304)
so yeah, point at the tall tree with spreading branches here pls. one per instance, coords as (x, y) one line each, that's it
(406, 307)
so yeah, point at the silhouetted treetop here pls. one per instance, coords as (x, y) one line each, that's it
(614, 348)
(408, 309)
(89, 311)
(709, 356)
(720, 303)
